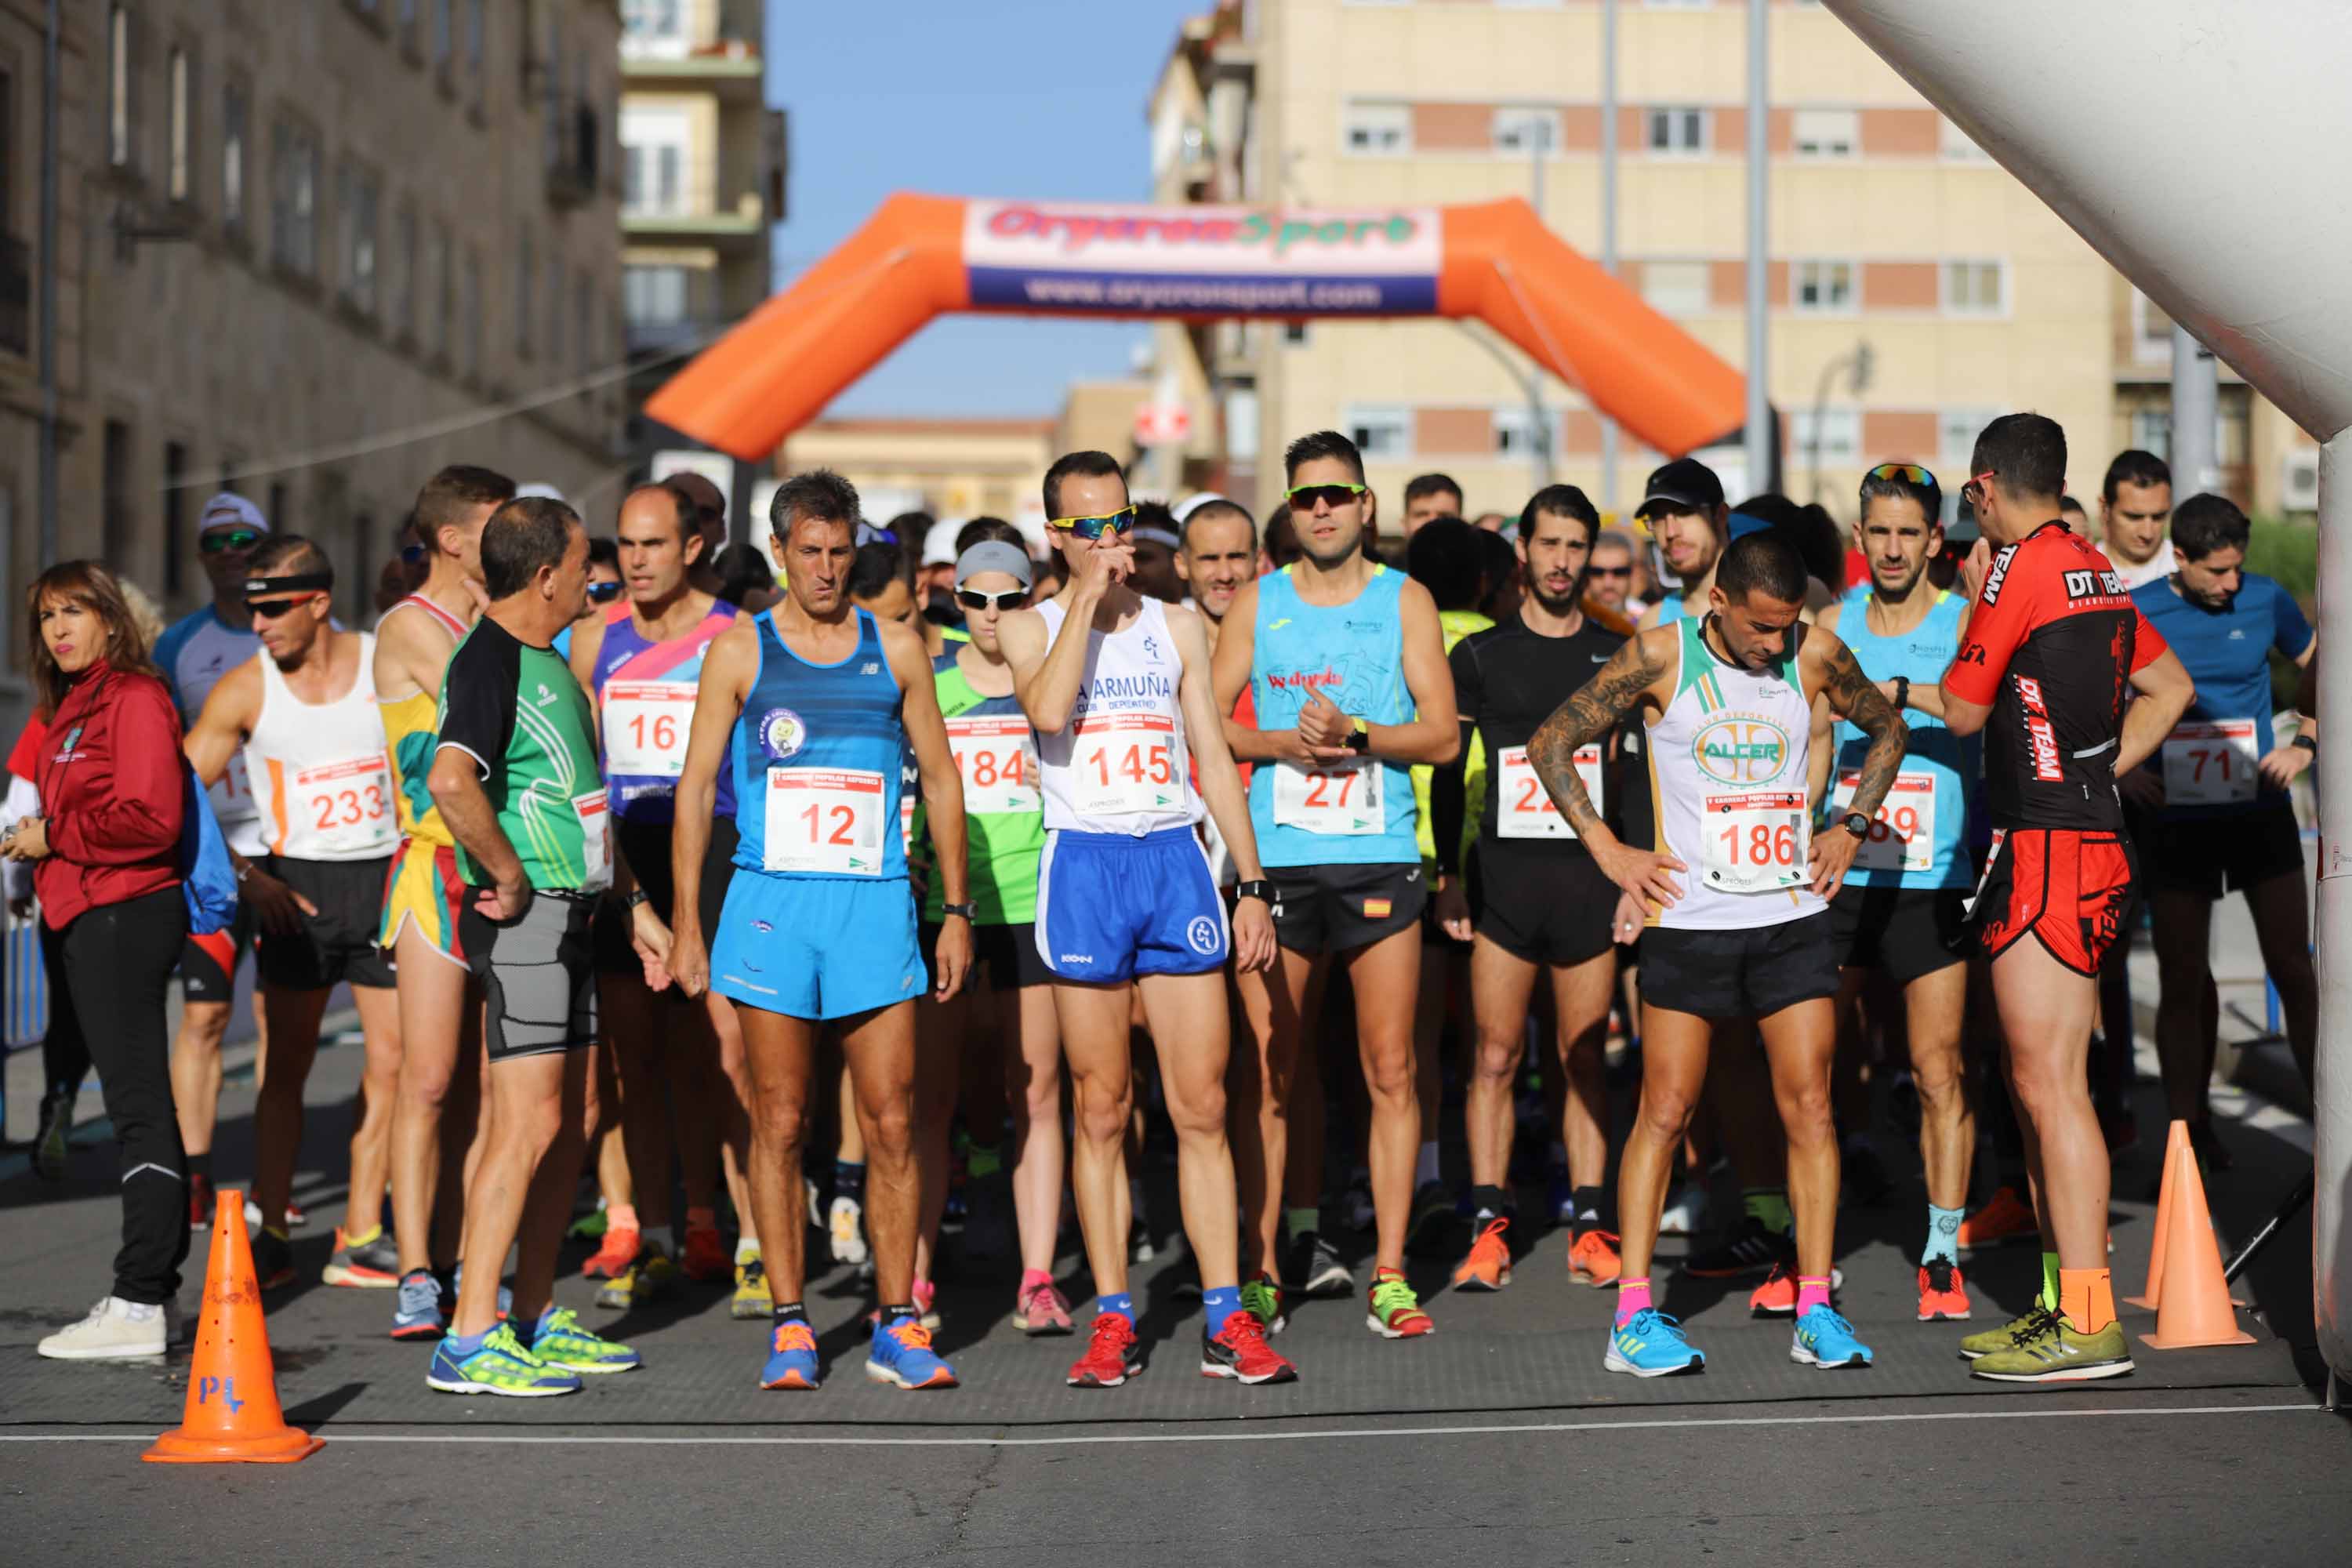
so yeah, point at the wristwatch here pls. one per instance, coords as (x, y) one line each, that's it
(1360, 738)
(1853, 822)
(2305, 744)
(1261, 889)
(1902, 692)
(638, 896)
(967, 911)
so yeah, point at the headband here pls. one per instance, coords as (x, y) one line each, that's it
(995, 555)
(262, 587)
(1157, 536)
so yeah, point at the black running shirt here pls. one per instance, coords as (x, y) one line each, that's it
(1508, 680)
(2051, 648)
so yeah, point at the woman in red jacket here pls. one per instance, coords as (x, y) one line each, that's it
(105, 852)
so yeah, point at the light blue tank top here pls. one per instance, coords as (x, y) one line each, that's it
(816, 739)
(1354, 655)
(1937, 754)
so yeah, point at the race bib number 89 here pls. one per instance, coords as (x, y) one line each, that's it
(1904, 837)
(1753, 842)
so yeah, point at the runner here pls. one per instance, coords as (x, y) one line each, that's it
(514, 775)
(1743, 932)
(1902, 914)
(441, 1068)
(1217, 557)
(812, 706)
(1683, 510)
(193, 655)
(1428, 496)
(303, 712)
(2135, 506)
(2051, 643)
(1609, 578)
(2220, 817)
(1345, 660)
(1538, 903)
(1117, 687)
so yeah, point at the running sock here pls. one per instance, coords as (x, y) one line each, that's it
(894, 1316)
(849, 1179)
(621, 1217)
(702, 1219)
(747, 1250)
(201, 1165)
(1489, 1202)
(1556, 1155)
(1303, 1220)
(1222, 1303)
(463, 1345)
(2087, 1297)
(984, 1161)
(1943, 1235)
(1768, 1207)
(1812, 1291)
(1032, 1278)
(1424, 1169)
(1633, 1296)
(1122, 1303)
(2048, 1299)
(789, 1313)
(350, 1239)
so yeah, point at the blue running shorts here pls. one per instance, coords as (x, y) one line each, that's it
(818, 947)
(1111, 906)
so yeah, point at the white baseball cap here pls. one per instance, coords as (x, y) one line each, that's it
(539, 489)
(938, 545)
(229, 509)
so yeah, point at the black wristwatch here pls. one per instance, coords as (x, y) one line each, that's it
(2305, 744)
(638, 896)
(1853, 822)
(1261, 889)
(967, 911)
(1902, 692)
(1360, 738)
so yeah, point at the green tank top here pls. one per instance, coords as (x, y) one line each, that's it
(1005, 819)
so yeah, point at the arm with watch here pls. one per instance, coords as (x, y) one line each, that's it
(1832, 675)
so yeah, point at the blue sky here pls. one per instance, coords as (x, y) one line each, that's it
(1011, 98)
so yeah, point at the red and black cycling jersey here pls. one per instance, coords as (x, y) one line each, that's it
(2051, 647)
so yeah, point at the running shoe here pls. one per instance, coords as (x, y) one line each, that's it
(498, 1365)
(752, 1299)
(1943, 1293)
(1593, 1259)
(273, 1259)
(613, 1254)
(417, 1311)
(1356, 1205)
(1313, 1269)
(2008, 1336)
(1139, 1248)
(1777, 1296)
(1432, 1217)
(651, 1277)
(2007, 1218)
(371, 1266)
(589, 1227)
(1240, 1352)
(703, 1258)
(1111, 1359)
(1041, 1309)
(204, 1203)
(1688, 1211)
(1826, 1341)
(901, 1356)
(1395, 1311)
(845, 1226)
(1559, 1196)
(561, 1341)
(1488, 1266)
(1651, 1344)
(1261, 1300)
(115, 1330)
(49, 1142)
(2051, 1350)
(791, 1357)
(1749, 1249)
(295, 1218)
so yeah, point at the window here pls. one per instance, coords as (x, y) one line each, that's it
(294, 199)
(526, 272)
(1516, 434)
(654, 144)
(1381, 433)
(2151, 329)
(1677, 130)
(120, 79)
(477, 36)
(654, 29)
(1526, 129)
(175, 517)
(1294, 334)
(114, 495)
(1826, 132)
(1958, 148)
(179, 178)
(1957, 430)
(1822, 287)
(654, 296)
(443, 31)
(1839, 431)
(441, 278)
(357, 195)
(1377, 130)
(554, 309)
(402, 268)
(469, 316)
(1676, 288)
(2151, 430)
(233, 113)
(1975, 288)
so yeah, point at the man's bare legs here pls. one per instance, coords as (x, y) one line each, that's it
(940, 1032)
(1800, 1047)
(379, 1010)
(196, 1072)
(1934, 1005)
(1675, 1047)
(278, 1110)
(2046, 1012)
(1102, 1096)
(1264, 1093)
(1190, 1009)
(437, 1026)
(1033, 1099)
(520, 1193)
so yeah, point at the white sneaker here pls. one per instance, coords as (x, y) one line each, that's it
(848, 1226)
(1686, 1213)
(116, 1329)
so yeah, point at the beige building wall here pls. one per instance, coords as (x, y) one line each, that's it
(956, 468)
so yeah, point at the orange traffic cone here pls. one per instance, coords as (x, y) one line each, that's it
(2194, 1307)
(232, 1415)
(2176, 1139)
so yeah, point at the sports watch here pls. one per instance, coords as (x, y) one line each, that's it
(1853, 822)
(1261, 889)
(967, 910)
(1360, 738)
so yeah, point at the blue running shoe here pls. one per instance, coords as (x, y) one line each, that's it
(416, 1310)
(560, 1341)
(1651, 1344)
(902, 1354)
(500, 1365)
(791, 1357)
(1825, 1340)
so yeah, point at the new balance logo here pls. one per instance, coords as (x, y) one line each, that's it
(871, 666)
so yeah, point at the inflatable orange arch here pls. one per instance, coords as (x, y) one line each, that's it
(921, 257)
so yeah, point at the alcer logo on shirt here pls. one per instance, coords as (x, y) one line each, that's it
(1741, 751)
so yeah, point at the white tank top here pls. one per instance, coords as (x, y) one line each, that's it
(1120, 764)
(1727, 763)
(320, 771)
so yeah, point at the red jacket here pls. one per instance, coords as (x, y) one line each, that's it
(111, 794)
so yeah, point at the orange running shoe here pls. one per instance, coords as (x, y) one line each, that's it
(613, 1254)
(1593, 1259)
(1111, 1359)
(1488, 1265)
(1942, 1293)
(2007, 1218)
(1396, 1312)
(1777, 1296)
(704, 1258)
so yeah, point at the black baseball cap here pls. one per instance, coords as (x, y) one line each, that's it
(1684, 485)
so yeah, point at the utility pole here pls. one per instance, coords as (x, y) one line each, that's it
(49, 328)
(1608, 224)
(1759, 400)
(2195, 467)
(1538, 423)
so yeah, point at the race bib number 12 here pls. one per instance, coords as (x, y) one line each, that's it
(825, 820)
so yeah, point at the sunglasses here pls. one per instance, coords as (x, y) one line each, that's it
(236, 541)
(1973, 491)
(1609, 571)
(270, 609)
(1909, 473)
(1333, 496)
(412, 554)
(1091, 528)
(973, 599)
(603, 593)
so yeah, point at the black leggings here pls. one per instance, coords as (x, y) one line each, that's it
(119, 960)
(65, 1059)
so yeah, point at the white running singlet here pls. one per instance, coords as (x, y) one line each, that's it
(321, 770)
(1120, 764)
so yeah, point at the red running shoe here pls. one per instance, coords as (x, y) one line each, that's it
(1777, 1296)
(1241, 1352)
(1488, 1265)
(1593, 1259)
(1942, 1293)
(613, 1254)
(704, 1258)
(1111, 1359)
(2007, 1218)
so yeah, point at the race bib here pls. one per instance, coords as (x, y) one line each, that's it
(646, 726)
(1127, 765)
(1752, 842)
(344, 808)
(1343, 799)
(232, 792)
(826, 820)
(594, 811)
(1524, 810)
(2211, 764)
(997, 758)
(1903, 839)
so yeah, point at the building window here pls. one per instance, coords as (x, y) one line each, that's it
(653, 297)
(654, 29)
(1958, 147)
(476, 37)
(1526, 129)
(443, 31)
(175, 517)
(404, 273)
(1516, 434)
(1676, 288)
(1957, 430)
(294, 199)
(1822, 287)
(1381, 433)
(2151, 430)
(1677, 130)
(357, 195)
(1839, 431)
(179, 174)
(114, 495)
(654, 144)
(1825, 132)
(2151, 330)
(1294, 334)
(1377, 130)
(1974, 289)
(233, 114)
(121, 79)
(554, 310)
(526, 273)
(469, 316)
(441, 278)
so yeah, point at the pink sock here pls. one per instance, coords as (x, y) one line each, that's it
(1633, 1296)
(1032, 1278)
(1812, 1291)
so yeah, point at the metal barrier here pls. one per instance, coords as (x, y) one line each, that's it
(27, 983)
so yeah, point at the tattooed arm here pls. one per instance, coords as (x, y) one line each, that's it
(1831, 672)
(1611, 696)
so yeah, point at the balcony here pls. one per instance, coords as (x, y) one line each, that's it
(661, 47)
(689, 215)
(16, 296)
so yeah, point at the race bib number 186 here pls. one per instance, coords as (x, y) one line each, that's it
(1753, 842)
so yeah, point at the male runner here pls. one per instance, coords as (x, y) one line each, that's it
(1218, 555)
(1346, 663)
(193, 654)
(1538, 903)
(2221, 817)
(812, 706)
(1427, 496)
(1743, 932)
(1903, 913)
(1117, 686)
(1609, 579)
(303, 712)
(1156, 541)
(514, 775)
(641, 661)
(2051, 643)
(1684, 507)
(440, 1061)
(707, 510)
(2135, 506)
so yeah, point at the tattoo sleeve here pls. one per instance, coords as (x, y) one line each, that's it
(1597, 708)
(1858, 700)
